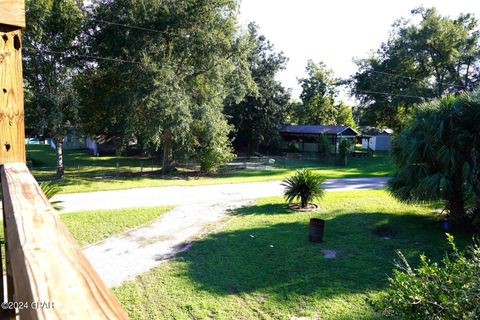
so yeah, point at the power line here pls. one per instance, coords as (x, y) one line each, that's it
(64, 53)
(413, 78)
(391, 94)
(126, 25)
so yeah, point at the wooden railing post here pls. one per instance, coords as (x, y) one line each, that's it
(12, 128)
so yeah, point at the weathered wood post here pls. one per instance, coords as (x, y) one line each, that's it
(12, 130)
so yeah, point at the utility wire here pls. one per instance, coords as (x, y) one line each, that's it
(391, 94)
(126, 25)
(413, 78)
(64, 53)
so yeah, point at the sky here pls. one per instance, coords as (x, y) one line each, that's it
(334, 32)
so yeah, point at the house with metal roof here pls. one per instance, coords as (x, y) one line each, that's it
(305, 137)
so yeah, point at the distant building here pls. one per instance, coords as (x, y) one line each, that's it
(376, 139)
(305, 137)
(98, 145)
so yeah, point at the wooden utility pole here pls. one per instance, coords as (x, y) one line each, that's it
(12, 127)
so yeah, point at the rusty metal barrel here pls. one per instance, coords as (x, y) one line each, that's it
(316, 232)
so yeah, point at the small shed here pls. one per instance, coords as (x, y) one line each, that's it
(305, 137)
(376, 139)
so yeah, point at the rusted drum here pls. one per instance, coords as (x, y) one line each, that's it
(317, 227)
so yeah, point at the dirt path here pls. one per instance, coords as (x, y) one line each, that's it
(199, 210)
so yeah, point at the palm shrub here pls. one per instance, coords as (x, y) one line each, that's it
(304, 185)
(448, 291)
(436, 158)
(50, 189)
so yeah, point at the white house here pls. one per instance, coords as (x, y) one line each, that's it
(377, 139)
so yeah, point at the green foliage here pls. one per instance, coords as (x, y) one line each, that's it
(213, 146)
(436, 157)
(50, 189)
(449, 291)
(344, 147)
(435, 56)
(324, 144)
(51, 98)
(197, 59)
(293, 146)
(256, 118)
(318, 106)
(304, 185)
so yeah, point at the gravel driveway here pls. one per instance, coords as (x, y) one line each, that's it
(200, 210)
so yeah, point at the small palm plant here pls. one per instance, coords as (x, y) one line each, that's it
(304, 185)
(50, 189)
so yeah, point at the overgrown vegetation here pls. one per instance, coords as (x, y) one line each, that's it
(447, 291)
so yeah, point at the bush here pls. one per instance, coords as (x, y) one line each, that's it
(324, 145)
(304, 185)
(447, 291)
(344, 148)
(293, 146)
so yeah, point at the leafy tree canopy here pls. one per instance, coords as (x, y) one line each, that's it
(193, 61)
(420, 61)
(319, 91)
(257, 117)
(51, 42)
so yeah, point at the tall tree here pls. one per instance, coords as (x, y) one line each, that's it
(51, 42)
(420, 61)
(257, 117)
(319, 91)
(184, 56)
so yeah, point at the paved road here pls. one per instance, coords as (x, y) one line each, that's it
(199, 210)
(182, 195)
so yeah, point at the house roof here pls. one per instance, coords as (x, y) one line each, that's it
(315, 129)
(372, 131)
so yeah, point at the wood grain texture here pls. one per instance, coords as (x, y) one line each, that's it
(12, 12)
(12, 127)
(48, 265)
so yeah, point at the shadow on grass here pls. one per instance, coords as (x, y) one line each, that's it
(277, 259)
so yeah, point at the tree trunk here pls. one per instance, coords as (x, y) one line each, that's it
(167, 165)
(59, 151)
(456, 203)
(303, 202)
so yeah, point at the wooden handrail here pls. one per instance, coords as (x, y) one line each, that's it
(48, 266)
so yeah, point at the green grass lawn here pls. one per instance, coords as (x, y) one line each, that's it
(87, 173)
(261, 266)
(88, 227)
